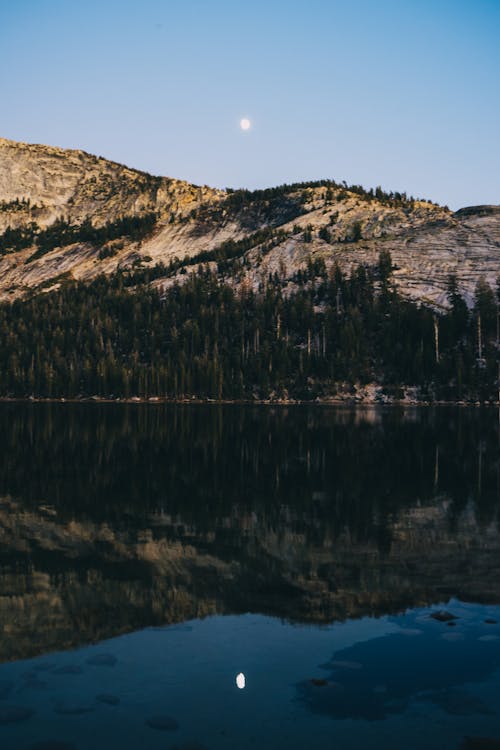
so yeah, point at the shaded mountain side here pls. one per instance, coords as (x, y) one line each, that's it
(40, 185)
(67, 584)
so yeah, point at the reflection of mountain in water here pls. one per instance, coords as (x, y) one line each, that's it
(114, 518)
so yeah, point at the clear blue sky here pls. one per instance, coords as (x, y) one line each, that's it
(402, 93)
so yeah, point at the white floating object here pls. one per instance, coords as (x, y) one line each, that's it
(240, 680)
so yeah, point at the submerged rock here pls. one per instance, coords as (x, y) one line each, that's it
(68, 669)
(318, 682)
(443, 616)
(163, 723)
(490, 621)
(5, 688)
(44, 666)
(102, 660)
(109, 700)
(11, 714)
(72, 709)
(52, 745)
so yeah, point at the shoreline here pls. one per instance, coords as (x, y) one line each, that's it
(161, 400)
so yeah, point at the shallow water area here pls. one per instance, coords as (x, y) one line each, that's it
(365, 683)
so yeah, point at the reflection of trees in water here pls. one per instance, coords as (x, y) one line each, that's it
(328, 469)
(312, 514)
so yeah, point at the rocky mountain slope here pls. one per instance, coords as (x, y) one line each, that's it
(274, 231)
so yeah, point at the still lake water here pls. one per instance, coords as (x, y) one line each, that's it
(151, 554)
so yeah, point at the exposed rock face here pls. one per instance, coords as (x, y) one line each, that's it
(41, 184)
(427, 244)
(70, 184)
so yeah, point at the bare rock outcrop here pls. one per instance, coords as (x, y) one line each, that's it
(42, 184)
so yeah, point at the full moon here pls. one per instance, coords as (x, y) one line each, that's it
(245, 123)
(241, 681)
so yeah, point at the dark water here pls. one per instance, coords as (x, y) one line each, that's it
(150, 554)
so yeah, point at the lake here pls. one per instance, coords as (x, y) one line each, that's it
(207, 577)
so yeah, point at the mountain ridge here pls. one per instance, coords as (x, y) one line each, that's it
(324, 220)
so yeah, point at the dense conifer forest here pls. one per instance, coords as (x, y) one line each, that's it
(62, 233)
(205, 338)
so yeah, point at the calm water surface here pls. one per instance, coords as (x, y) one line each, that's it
(149, 555)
